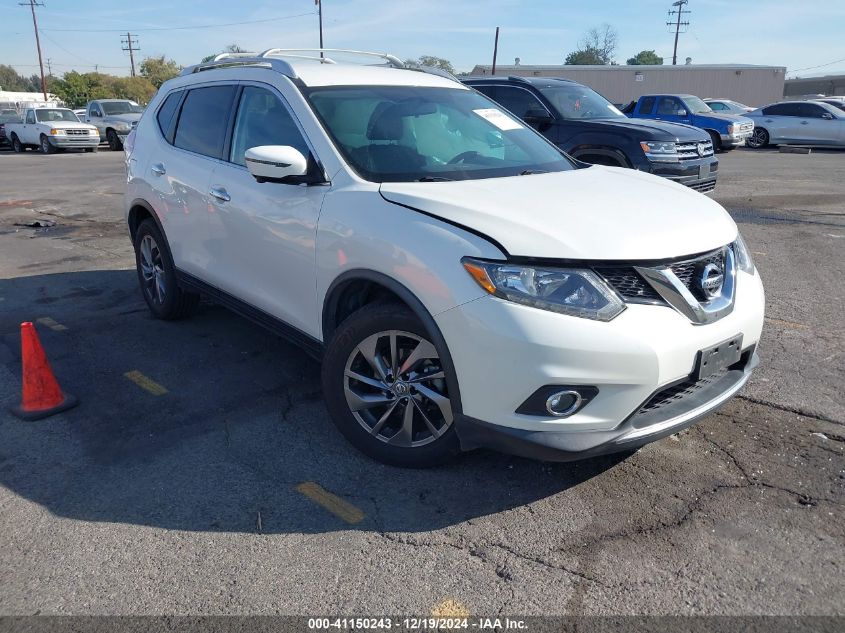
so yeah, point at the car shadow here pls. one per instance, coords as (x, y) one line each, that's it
(226, 448)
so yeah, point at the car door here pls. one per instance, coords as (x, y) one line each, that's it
(29, 129)
(268, 257)
(779, 121)
(814, 127)
(179, 169)
(672, 109)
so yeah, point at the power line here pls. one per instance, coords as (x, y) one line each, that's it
(131, 45)
(819, 66)
(32, 4)
(679, 13)
(183, 28)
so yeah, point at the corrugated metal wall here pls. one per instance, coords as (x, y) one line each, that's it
(755, 86)
(832, 85)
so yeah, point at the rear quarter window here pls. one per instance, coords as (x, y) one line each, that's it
(165, 113)
(204, 119)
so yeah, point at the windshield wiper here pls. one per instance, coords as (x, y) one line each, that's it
(433, 179)
(529, 172)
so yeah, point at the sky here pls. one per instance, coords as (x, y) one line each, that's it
(805, 36)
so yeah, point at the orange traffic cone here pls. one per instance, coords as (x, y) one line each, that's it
(41, 395)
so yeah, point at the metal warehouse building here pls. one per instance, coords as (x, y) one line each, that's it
(753, 85)
(830, 85)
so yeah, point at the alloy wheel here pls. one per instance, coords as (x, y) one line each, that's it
(395, 387)
(152, 270)
(759, 138)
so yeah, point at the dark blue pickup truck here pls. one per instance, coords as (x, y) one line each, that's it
(726, 130)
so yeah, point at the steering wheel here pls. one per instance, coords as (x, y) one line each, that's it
(460, 158)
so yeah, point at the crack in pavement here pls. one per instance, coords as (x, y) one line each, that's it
(789, 409)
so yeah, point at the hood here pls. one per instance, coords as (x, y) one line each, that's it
(724, 116)
(595, 213)
(649, 129)
(129, 117)
(69, 125)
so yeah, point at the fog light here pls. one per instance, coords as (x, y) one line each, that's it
(563, 403)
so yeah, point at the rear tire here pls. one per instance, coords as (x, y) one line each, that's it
(759, 138)
(385, 388)
(157, 276)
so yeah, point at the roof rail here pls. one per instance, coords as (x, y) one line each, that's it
(431, 70)
(230, 60)
(320, 55)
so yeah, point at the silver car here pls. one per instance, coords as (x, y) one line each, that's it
(798, 123)
(728, 106)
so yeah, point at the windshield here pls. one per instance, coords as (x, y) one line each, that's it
(696, 105)
(405, 133)
(47, 115)
(120, 107)
(579, 102)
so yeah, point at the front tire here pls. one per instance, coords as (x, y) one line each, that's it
(17, 146)
(157, 276)
(386, 390)
(717, 142)
(759, 138)
(46, 146)
(114, 142)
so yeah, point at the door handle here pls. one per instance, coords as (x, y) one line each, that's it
(220, 194)
(768, 121)
(805, 123)
(158, 169)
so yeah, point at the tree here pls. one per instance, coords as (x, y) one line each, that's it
(432, 62)
(158, 69)
(645, 58)
(231, 48)
(13, 82)
(597, 47)
(77, 89)
(586, 57)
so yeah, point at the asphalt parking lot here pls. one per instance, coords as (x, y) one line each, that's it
(211, 481)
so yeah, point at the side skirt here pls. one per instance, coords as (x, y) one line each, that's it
(312, 346)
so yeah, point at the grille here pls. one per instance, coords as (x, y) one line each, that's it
(746, 127)
(628, 283)
(77, 132)
(703, 187)
(685, 270)
(678, 392)
(687, 151)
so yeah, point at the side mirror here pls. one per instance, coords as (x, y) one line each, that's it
(538, 118)
(276, 163)
(682, 113)
(827, 115)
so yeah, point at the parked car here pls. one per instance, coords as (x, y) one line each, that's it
(798, 122)
(464, 282)
(114, 118)
(588, 127)
(7, 116)
(836, 102)
(727, 105)
(52, 130)
(726, 130)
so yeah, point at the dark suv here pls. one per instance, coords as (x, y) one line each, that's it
(588, 127)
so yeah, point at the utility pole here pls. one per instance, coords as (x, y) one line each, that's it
(32, 4)
(495, 51)
(319, 4)
(677, 23)
(130, 45)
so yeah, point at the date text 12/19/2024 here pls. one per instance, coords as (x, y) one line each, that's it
(415, 624)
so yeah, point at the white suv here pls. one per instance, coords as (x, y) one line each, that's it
(464, 282)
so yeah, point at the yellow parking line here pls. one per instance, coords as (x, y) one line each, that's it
(449, 608)
(147, 384)
(53, 325)
(334, 504)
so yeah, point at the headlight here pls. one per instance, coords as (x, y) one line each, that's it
(56, 131)
(658, 150)
(94, 132)
(575, 292)
(122, 127)
(733, 127)
(743, 255)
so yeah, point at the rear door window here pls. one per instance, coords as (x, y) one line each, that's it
(647, 105)
(204, 119)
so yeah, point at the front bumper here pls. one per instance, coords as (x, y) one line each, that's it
(735, 140)
(66, 142)
(503, 352)
(700, 174)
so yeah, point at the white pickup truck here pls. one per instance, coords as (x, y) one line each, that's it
(51, 130)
